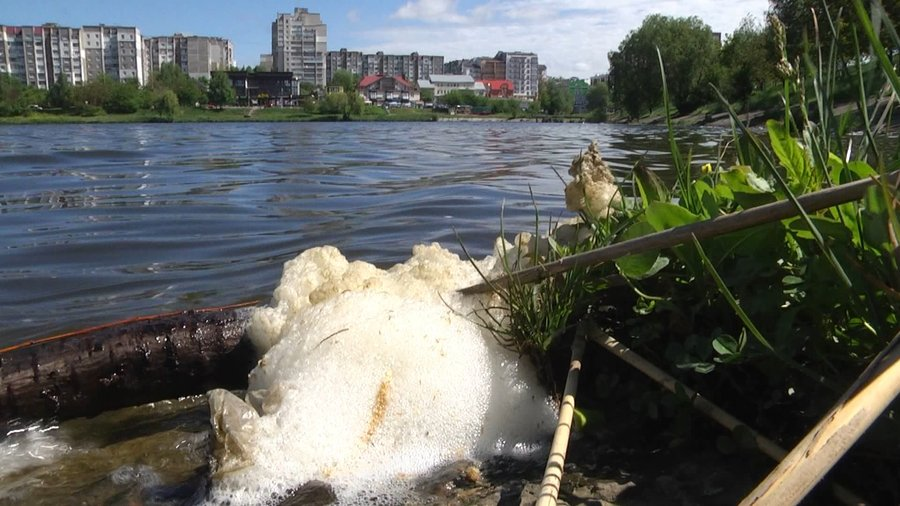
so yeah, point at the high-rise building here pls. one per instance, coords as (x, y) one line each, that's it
(523, 70)
(116, 51)
(265, 62)
(197, 56)
(411, 67)
(299, 45)
(39, 55)
(351, 61)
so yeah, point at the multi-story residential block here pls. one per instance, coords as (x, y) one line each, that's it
(493, 69)
(470, 67)
(117, 51)
(39, 55)
(265, 62)
(299, 45)
(351, 61)
(196, 56)
(412, 67)
(523, 70)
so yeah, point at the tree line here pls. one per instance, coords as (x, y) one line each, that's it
(754, 56)
(167, 90)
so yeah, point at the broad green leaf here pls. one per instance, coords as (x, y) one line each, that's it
(664, 215)
(642, 265)
(708, 198)
(650, 187)
(745, 187)
(791, 156)
(828, 227)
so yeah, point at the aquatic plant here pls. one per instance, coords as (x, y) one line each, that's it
(772, 320)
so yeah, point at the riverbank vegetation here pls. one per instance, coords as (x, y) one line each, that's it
(771, 322)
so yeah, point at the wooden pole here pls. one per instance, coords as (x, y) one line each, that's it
(740, 220)
(708, 408)
(557, 459)
(838, 430)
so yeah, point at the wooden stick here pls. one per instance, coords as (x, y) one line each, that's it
(740, 220)
(708, 408)
(557, 459)
(838, 430)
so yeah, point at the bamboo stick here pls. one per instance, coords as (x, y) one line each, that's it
(557, 459)
(708, 408)
(838, 430)
(740, 220)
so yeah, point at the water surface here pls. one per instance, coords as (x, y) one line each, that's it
(101, 222)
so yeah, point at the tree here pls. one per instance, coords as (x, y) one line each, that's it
(124, 97)
(690, 57)
(555, 98)
(166, 104)
(12, 96)
(221, 92)
(61, 94)
(800, 18)
(598, 101)
(342, 103)
(171, 77)
(348, 81)
(748, 60)
(427, 94)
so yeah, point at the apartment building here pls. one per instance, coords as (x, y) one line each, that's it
(39, 55)
(299, 45)
(523, 70)
(117, 51)
(351, 61)
(197, 56)
(411, 66)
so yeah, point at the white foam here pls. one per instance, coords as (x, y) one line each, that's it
(370, 379)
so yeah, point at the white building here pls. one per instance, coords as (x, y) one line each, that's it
(445, 83)
(299, 45)
(117, 51)
(39, 55)
(524, 71)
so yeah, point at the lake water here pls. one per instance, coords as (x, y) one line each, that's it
(102, 222)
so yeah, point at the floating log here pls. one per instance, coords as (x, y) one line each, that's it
(126, 363)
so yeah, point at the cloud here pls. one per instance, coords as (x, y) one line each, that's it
(429, 11)
(353, 16)
(570, 37)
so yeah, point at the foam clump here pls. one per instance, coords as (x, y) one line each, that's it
(369, 379)
(593, 187)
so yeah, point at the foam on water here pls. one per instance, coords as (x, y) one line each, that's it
(370, 379)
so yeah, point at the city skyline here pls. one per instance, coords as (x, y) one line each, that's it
(572, 37)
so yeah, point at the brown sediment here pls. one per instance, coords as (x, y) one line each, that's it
(380, 408)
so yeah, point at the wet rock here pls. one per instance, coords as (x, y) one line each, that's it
(314, 493)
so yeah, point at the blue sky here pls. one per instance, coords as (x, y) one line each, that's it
(571, 37)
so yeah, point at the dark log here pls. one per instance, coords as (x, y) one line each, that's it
(126, 363)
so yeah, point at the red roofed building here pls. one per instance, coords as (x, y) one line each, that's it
(498, 88)
(391, 90)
